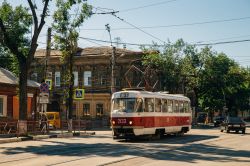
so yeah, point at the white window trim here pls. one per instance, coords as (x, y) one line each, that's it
(4, 105)
(86, 76)
(58, 74)
(75, 78)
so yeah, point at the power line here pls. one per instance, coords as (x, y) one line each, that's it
(224, 42)
(197, 44)
(92, 41)
(138, 28)
(105, 41)
(145, 6)
(113, 14)
(234, 37)
(176, 25)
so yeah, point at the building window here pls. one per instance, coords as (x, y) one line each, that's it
(3, 105)
(117, 82)
(103, 80)
(99, 110)
(75, 78)
(57, 79)
(49, 75)
(87, 78)
(86, 109)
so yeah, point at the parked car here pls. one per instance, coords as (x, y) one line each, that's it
(53, 120)
(218, 120)
(233, 124)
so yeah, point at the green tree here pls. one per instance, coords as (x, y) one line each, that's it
(221, 84)
(14, 27)
(66, 37)
(167, 64)
(211, 80)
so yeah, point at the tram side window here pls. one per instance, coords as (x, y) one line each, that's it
(170, 106)
(157, 105)
(164, 105)
(186, 108)
(189, 107)
(149, 105)
(181, 106)
(138, 106)
(176, 108)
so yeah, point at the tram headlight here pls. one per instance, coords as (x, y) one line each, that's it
(130, 122)
(113, 122)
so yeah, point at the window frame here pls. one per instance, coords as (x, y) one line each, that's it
(57, 75)
(83, 109)
(152, 103)
(4, 106)
(87, 78)
(75, 78)
(100, 114)
(158, 105)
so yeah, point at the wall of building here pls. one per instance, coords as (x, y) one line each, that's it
(97, 61)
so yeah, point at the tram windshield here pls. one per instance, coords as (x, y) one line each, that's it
(127, 105)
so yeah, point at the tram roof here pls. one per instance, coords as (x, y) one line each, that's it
(156, 94)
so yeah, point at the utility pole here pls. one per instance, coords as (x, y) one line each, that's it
(48, 48)
(112, 88)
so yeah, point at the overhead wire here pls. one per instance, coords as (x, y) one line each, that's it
(138, 28)
(92, 41)
(105, 41)
(223, 42)
(145, 6)
(174, 25)
(113, 14)
(234, 37)
(196, 44)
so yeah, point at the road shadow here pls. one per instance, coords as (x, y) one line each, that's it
(164, 149)
(172, 139)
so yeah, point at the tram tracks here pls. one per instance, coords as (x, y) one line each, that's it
(88, 151)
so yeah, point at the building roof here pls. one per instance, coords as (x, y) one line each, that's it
(91, 52)
(7, 77)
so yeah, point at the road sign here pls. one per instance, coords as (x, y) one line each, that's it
(49, 83)
(44, 88)
(79, 94)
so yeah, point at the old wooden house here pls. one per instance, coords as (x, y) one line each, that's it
(9, 103)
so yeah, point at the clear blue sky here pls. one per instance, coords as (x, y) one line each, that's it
(167, 12)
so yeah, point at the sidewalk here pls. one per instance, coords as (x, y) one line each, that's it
(52, 134)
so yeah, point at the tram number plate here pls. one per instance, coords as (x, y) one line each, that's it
(121, 121)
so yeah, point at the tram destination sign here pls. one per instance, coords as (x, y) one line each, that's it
(124, 95)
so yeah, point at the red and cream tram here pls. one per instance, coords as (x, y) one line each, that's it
(141, 113)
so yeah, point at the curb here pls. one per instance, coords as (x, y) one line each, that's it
(41, 137)
(9, 140)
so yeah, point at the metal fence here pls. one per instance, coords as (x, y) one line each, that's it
(10, 128)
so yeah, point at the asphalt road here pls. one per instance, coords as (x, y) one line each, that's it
(198, 147)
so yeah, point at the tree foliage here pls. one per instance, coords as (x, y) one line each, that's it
(15, 24)
(66, 36)
(212, 80)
